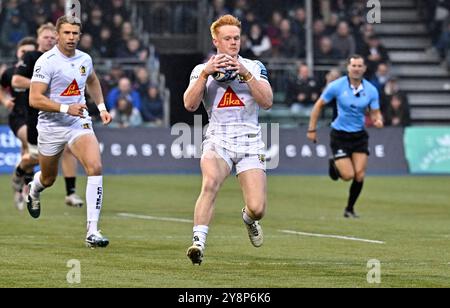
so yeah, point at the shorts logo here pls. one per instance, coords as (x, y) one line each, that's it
(72, 89)
(230, 99)
(83, 70)
(340, 153)
(86, 126)
(262, 158)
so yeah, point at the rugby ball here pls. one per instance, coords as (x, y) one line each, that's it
(224, 75)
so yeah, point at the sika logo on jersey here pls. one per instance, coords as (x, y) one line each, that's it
(230, 99)
(72, 90)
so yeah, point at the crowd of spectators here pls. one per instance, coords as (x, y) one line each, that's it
(107, 33)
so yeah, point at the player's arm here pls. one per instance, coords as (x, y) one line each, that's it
(377, 118)
(39, 101)
(261, 92)
(95, 91)
(375, 113)
(194, 94)
(315, 113)
(259, 87)
(20, 79)
(20, 82)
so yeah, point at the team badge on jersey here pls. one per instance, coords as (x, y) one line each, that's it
(230, 99)
(72, 89)
(83, 70)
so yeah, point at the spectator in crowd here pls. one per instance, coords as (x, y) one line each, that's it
(86, 45)
(397, 113)
(343, 41)
(326, 53)
(152, 106)
(246, 51)
(381, 77)
(13, 30)
(290, 44)
(375, 53)
(111, 79)
(105, 44)
(302, 92)
(132, 49)
(142, 81)
(390, 89)
(318, 32)
(219, 8)
(124, 89)
(273, 31)
(125, 114)
(259, 42)
(94, 23)
(299, 24)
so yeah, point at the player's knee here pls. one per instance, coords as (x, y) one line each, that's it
(256, 210)
(94, 169)
(347, 176)
(359, 177)
(211, 186)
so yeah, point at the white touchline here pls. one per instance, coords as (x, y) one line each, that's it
(332, 236)
(155, 218)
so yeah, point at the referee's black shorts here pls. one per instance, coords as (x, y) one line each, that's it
(344, 144)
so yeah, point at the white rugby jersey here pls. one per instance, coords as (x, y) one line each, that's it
(66, 79)
(232, 110)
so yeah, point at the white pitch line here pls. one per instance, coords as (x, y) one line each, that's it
(332, 236)
(154, 218)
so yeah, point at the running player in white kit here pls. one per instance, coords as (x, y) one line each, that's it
(233, 138)
(61, 76)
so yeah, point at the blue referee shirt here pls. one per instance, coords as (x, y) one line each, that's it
(351, 103)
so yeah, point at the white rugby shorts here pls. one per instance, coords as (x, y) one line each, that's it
(52, 140)
(243, 162)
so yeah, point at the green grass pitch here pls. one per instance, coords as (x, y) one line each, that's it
(410, 214)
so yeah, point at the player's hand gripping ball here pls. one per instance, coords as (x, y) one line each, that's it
(224, 75)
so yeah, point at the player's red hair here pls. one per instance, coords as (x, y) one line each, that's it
(226, 20)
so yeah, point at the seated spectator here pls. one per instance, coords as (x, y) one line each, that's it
(303, 92)
(123, 90)
(374, 53)
(343, 41)
(105, 44)
(12, 31)
(87, 45)
(381, 77)
(152, 106)
(326, 53)
(390, 89)
(273, 30)
(290, 44)
(246, 51)
(131, 50)
(259, 42)
(142, 80)
(397, 113)
(125, 115)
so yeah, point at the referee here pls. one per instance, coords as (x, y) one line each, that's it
(349, 140)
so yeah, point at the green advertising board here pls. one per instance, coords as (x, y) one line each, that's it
(428, 150)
